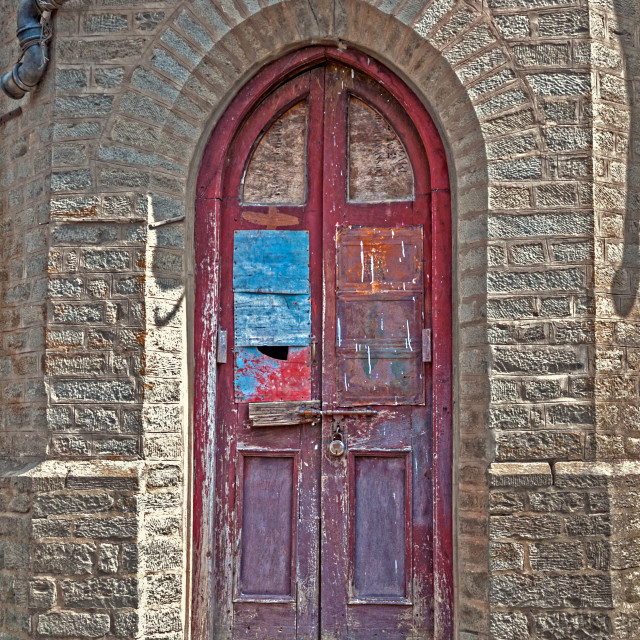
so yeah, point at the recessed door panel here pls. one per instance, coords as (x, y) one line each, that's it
(381, 535)
(267, 527)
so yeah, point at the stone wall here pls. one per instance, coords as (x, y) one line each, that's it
(537, 104)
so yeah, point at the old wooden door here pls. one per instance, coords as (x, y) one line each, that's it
(323, 500)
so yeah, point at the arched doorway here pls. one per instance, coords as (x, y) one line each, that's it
(323, 319)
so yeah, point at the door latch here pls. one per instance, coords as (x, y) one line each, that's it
(338, 412)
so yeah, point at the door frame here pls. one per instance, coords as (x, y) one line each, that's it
(207, 256)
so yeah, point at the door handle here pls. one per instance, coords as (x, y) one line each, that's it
(338, 412)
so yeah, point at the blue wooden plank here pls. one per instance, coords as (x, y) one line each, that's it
(272, 319)
(267, 261)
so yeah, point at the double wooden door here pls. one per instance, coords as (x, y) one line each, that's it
(323, 490)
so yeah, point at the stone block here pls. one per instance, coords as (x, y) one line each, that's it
(545, 592)
(118, 528)
(42, 593)
(95, 391)
(505, 625)
(551, 626)
(70, 180)
(538, 55)
(63, 504)
(559, 84)
(524, 527)
(105, 23)
(564, 23)
(162, 589)
(516, 360)
(66, 624)
(506, 502)
(588, 525)
(538, 445)
(101, 593)
(45, 528)
(556, 556)
(522, 474)
(506, 555)
(109, 78)
(562, 502)
(64, 558)
(164, 476)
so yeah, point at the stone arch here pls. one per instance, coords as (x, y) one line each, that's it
(457, 62)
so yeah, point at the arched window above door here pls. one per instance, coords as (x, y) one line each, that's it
(276, 173)
(379, 167)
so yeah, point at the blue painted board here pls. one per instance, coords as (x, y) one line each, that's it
(272, 319)
(267, 261)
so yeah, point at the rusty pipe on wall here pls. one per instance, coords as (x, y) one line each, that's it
(33, 32)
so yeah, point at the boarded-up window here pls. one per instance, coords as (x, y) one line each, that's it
(379, 167)
(379, 306)
(276, 173)
(272, 316)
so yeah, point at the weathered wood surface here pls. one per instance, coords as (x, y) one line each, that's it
(393, 429)
(259, 378)
(276, 171)
(379, 167)
(379, 308)
(275, 414)
(271, 319)
(267, 261)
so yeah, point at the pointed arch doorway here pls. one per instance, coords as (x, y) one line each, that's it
(322, 474)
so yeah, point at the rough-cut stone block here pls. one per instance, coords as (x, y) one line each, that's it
(545, 592)
(556, 556)
(538, 445)
(42, 593)
(506, 555)
(551, 626)
(524, 527)
(101, 593)
(521, 474)
(107, 528)
(64, 558)
(82, 625)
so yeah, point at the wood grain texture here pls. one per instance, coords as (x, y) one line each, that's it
(274, 414)
(379, 167)
(276, 171)
(221, 177)
(267, 524)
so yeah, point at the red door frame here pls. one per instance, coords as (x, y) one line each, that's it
(208, 192)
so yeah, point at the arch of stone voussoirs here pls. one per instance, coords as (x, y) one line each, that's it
(452, 56)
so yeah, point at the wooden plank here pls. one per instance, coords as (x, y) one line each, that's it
(267, 261)
(275, 414)
(276, 172)
(379, 167)
(260, 378)
(271, 319)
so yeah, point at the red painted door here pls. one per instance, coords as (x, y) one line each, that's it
(323, 511)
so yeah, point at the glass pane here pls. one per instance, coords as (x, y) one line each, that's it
(379, 167)
(276, 171)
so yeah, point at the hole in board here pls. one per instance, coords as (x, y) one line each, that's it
(277, 353)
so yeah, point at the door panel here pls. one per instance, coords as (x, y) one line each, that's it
(380, 527)
(325, 289)
(267, 527)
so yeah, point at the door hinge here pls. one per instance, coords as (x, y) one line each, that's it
(222, 346)
(426, 345)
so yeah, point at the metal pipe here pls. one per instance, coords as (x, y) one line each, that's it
(33, 36)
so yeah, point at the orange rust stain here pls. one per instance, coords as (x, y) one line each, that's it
(82, 212)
